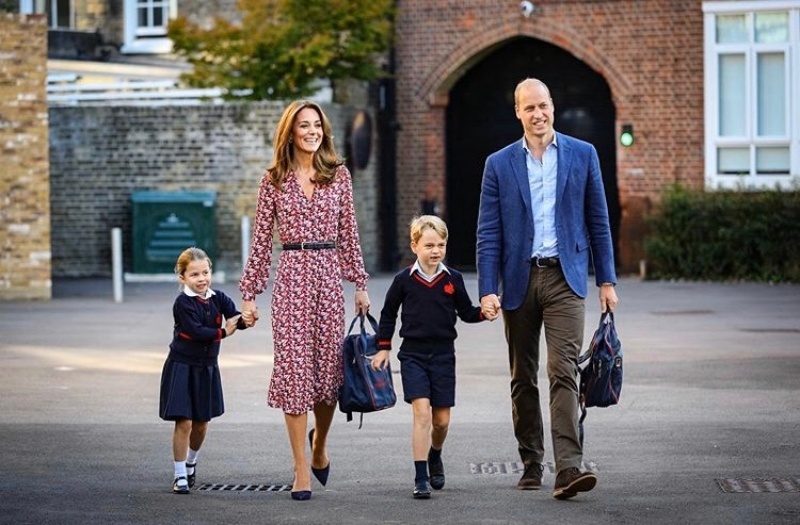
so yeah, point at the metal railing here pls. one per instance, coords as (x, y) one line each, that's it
(67, 90)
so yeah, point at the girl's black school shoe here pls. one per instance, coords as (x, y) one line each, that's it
(191, 477)
(180, 485)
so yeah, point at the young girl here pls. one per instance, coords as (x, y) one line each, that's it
(431, 297)
(191, 388)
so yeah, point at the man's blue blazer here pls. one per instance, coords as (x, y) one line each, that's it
(505, 221)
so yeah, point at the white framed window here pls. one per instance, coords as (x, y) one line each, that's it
(752, 94)
(59, 12)
(145, 23)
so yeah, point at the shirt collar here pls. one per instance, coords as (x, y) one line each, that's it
(554, 143)
(417, 268)
(190, 293)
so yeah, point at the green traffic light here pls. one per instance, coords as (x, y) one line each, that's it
(626, 137)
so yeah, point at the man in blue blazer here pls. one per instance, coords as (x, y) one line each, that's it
(543, 216)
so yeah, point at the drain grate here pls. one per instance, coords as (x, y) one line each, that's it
(226, 487)
(742, 485)
(518, 467)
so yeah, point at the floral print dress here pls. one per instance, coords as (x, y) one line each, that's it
(308, 313)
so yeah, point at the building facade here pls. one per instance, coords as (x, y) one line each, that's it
(709, 91)
(705, 92)
(25, 262)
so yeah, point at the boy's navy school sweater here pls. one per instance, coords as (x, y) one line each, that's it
(198, 327)
(429, 310)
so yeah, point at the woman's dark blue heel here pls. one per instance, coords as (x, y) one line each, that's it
(320, 473)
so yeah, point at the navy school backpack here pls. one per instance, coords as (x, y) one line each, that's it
(364, 389)
(600, 369)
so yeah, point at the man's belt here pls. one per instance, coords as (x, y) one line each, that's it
(309, 246)
(545, 262)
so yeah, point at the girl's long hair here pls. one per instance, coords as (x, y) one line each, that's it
(326, 160)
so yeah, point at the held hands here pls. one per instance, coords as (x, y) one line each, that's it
(490, 306)
(249, 313)
(380, 360)
(608, 298)
(230, 325)
(362, 302)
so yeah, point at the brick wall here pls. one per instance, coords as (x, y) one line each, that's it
(649, 51)
(100, 154)
(24, 189)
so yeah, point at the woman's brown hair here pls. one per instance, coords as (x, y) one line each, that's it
(326, 160)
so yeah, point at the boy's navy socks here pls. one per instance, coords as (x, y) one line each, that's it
(421, 468)
(434, 454)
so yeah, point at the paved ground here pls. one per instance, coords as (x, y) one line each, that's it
(711, 392)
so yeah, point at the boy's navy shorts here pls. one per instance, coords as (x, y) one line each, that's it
(429, 375)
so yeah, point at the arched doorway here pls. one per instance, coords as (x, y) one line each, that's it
(481, 120)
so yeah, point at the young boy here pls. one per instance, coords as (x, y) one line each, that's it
(431, 295)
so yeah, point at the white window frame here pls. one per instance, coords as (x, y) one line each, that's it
(149, 41)
(713, 179)
(26, 7)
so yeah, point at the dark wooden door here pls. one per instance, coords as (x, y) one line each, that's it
(481, 120)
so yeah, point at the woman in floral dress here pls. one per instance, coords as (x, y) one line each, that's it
(307, 195)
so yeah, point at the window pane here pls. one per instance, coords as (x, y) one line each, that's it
(158, 17)
(771, 94)
(64, 18)
(153, 14)
(772, 27)
(733, 161)
(731, 29)
(732, 96)
(772, 161)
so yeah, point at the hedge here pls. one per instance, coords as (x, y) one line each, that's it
(725, 235)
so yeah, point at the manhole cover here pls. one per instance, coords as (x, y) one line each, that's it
(243, 487)
(759, 484)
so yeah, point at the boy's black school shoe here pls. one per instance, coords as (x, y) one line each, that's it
(180, 485)
(436, 471)
(422, 490)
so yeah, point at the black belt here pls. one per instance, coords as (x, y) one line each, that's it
(545, 262)
(309, 245)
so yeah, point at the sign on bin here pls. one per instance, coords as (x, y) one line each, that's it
(166, 223)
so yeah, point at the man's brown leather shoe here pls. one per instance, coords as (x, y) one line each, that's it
(571, 481)
(532, 477)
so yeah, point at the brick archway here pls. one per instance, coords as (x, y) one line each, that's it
(436, 85)
(436, 89)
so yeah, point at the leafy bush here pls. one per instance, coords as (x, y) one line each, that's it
(725, 235)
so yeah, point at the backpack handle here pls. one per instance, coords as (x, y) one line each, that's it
(361, 317)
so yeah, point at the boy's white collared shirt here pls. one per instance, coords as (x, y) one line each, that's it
(439, 269)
